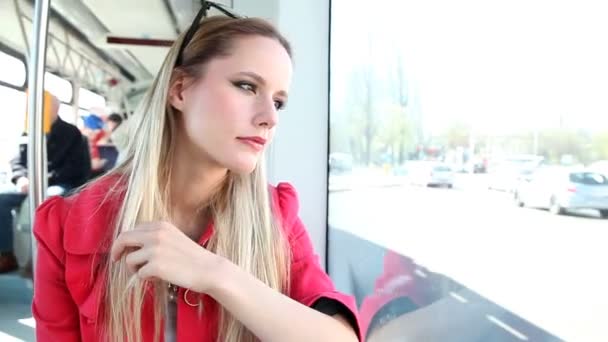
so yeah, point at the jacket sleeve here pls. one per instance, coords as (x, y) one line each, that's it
(56, 314)
(309, 283)
(76, 166)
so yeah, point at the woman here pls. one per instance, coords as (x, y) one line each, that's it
(93, 130)
(185, 240)
(114, 121)
(119, 136)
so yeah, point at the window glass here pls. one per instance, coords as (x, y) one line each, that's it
(66, 113)
(13, 124)
(12, 70)
(88, 99)
(58, 86)
(448, 256)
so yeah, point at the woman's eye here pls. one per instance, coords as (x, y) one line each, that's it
(279, 104)
(246, 86)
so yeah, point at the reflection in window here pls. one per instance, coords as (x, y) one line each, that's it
(12, 70)
(58, 86)
(441, 221)
(88, 99)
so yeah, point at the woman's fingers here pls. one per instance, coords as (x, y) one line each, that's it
(150, 271)
(134, 238)
(137, 258)
(125, 240)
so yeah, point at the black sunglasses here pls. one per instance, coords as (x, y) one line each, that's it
(202, 13)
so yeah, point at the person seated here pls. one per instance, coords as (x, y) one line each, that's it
(95, 133)
(119, 135)
(68, 167)
(114, 121)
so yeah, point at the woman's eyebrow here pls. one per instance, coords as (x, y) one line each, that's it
(261, 81)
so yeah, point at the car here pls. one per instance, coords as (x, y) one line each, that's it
(431, 174)
(340, 163)
(505, 174)
(563, 189)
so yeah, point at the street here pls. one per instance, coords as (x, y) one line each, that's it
(547, 269)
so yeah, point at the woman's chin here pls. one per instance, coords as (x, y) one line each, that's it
(243, 166)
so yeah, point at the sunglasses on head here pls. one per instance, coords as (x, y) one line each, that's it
(202, 13)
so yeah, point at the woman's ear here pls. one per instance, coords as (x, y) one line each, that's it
(176, 93)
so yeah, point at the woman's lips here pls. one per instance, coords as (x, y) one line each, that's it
(257, 143)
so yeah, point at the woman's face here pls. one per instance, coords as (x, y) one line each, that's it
(229, 115)
(111, 125)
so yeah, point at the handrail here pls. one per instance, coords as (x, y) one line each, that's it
(37, 169)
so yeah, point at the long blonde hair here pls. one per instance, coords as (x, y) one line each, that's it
(246, 231)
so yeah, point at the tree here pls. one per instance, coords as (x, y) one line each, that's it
(396, 134)
(556, 143)
(363, 121)
(457, 135)
(599, 146)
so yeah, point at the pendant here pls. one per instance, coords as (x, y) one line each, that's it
(173, 291)
(188, 302)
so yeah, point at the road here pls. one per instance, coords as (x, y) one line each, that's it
(549, 270)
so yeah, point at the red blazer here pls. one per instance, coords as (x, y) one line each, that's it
(74, 237)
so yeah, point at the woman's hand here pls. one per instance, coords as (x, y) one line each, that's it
(97, 163)
(159, 250)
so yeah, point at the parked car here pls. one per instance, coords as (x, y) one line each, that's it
(431, 174)
(340, 163)
(560, 190)
(506, 174)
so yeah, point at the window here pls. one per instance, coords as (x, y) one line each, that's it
(13, 124)
(417, 83)
(58, 86)
(12, 70)
(88, 99)
(66, 113)
(588, 178)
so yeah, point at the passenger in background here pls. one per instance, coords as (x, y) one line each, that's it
(94, 131)
(106, 146)
(68, 167)
(119, 134)
(113, 122)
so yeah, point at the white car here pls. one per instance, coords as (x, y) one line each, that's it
(559, 190)
(506, 174)
(431, 174)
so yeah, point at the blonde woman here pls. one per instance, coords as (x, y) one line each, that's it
(184, 240)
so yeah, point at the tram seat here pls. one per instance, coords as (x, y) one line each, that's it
(22, 234)
(22, 231)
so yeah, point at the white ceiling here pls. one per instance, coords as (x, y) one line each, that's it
(146, 19)
(137, 19)
(96, 19)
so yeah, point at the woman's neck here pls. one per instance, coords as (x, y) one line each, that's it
(192, 186)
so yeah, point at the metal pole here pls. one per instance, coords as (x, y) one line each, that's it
(36, 159)
(76, 98)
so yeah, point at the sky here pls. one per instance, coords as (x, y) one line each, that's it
(500, 65)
